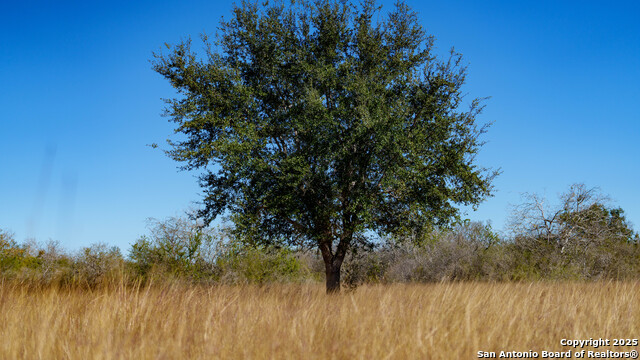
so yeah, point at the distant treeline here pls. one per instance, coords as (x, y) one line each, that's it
(581, 239)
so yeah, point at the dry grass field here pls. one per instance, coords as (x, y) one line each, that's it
(433, 321)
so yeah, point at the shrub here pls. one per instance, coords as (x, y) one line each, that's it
(11, 255)
(243, 263)
(33, 262)
(583, 237)
(176, 247)
(98, 264)
(460, 253)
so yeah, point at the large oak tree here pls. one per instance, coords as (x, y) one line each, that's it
(320, 123)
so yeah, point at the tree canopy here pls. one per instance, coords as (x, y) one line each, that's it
(316, 123)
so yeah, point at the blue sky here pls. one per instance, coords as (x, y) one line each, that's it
(80, 103)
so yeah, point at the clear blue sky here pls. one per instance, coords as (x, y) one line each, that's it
(80, 103)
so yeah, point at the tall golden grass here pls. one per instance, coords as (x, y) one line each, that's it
(298, 321)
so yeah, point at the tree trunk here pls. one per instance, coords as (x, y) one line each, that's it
(333, 260)
(333, 277)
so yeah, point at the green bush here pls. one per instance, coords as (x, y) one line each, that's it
(11, 255)
(175, 247)
(98, 264)
(33, 262)
(248, 264)
(581, 238)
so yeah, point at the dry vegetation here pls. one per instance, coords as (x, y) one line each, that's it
(186, 292)
(298, 321)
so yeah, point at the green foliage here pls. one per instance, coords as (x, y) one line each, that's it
(583, 237)
(180, 248)
(322, 122)
(260, 265)
(98, 264)
(11, 255)
(175, 246)
(598, 221)
(33, 262)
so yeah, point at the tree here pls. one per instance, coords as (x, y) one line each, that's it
(582, 218)
(174, 245)
(316, 124)
(582, 233)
